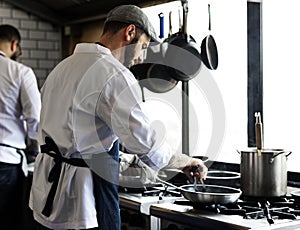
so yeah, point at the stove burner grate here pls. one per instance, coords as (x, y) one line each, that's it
(252, 209)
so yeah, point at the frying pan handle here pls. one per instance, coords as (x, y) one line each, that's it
(170, 23)
(167, 183)
(161, 23)
(185, 13)
(143, 94)
(288, 153)
(209, 17)
(180, 21)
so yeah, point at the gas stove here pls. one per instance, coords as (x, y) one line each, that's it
(246, 213)
(160, 208)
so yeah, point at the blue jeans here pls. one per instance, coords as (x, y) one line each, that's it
(105, 179)
(11, 196)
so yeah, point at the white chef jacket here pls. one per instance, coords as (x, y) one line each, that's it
(89, 100)
(19, 107)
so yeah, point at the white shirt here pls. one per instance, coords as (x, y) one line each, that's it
(19, 107)
(89, 100)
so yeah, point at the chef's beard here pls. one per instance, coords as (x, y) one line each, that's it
(130, 53)
(14, 56)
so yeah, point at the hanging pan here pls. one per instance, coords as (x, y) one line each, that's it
(155, 77)
(182, 52)
(209, 51)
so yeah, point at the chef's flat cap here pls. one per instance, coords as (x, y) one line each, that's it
(133, 15)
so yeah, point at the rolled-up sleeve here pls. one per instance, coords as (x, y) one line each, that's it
(121, 107)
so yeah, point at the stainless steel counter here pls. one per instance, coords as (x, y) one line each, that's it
(135, 210)
(135, 201)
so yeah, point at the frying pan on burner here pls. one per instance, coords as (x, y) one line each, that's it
(213, 194)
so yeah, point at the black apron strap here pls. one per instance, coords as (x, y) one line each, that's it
(52, 150)
(9, 146)
(54, 179)
(18, 150)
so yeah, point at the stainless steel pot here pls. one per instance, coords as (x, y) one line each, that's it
(265, 174)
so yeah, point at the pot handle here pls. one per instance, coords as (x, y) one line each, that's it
(273, 157)
(289, 153)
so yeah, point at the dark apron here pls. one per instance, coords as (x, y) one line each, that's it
(105, 171)
(12, 193)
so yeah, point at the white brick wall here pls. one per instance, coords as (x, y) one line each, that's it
(40, 40)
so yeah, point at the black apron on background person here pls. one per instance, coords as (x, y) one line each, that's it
(12, 193)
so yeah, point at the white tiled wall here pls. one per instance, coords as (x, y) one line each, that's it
(40, 40)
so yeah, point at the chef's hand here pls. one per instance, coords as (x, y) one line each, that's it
(31, 150)
(195, 168)
(30, 156)
(186, 164)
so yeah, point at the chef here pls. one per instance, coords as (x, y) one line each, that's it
(20, 105)
(91, 101)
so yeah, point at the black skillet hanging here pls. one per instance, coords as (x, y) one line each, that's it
(209, 51)
(178, 59)
(183, 54)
